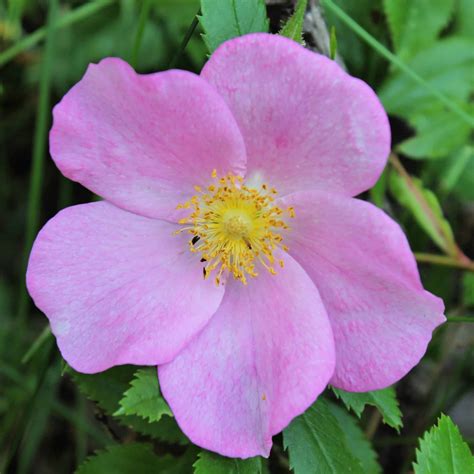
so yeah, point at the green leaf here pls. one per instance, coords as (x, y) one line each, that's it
(316, 443)
(443, 451)
(425, 208)
(384, 400)
(133, 458)
(222, 20)
(438, 135)
(293, 27)
(379, 190)
(211, 463)
(461, 168)
(453, 172)
(357, 55)
(356, 440)
(405, 17)
(464, 23)
(107, 389)
(143, 398)
(446, 66)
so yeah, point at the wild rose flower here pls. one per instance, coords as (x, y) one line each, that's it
(229, 249)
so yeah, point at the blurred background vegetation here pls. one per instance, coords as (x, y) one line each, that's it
(46, 424)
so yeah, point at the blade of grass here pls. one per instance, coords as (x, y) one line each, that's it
(77, 419)
(185, 41)
(24, 413)
(460, 319)
(396, 61)
(68, 19)
(37, 165)
(37, 424)
(144, 13)
(37, 344)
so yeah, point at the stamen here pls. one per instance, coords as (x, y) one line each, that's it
(234, 227)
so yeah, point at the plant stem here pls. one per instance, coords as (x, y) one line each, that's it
(444, 260)
(28, 41)
(396, 61)
(373, 424)
(449, 245)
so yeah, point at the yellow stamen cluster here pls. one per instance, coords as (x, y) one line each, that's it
(234, 227)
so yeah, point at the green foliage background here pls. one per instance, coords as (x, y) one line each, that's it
(419, 57)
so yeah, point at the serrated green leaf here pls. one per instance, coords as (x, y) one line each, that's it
(438, 134)
(222, 20)
(425, 208)
(107, 389)
(165, 430)
(405, 17)
(384, 400)
(143, 398)
(293, 27)
(316, 443)
(446, 66)
(133, 458)
(356, 440)
(211, 463)
(443, 451)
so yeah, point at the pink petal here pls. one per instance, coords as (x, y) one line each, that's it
(306, 123)
(262, 360)
(118, 288)
(361, 262)
(143, 141)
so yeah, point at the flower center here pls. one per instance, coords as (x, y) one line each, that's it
(237, 224)
(235, 227)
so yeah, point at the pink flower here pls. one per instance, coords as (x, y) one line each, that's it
(304, 287)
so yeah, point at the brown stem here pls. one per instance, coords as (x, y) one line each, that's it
(373, 424)
(446, 261)
(452, 247)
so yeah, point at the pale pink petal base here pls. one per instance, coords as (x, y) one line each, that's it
(361, 263)
(306, 123)
(143, 141)
(118, 288)
(262, 360)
